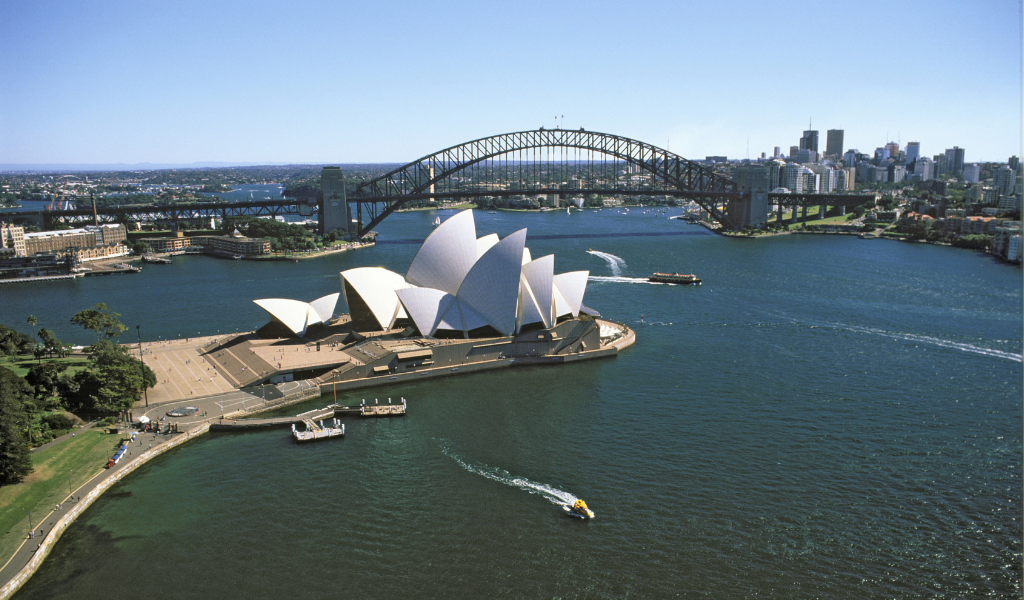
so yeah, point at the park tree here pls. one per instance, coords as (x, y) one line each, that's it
(100, 320)
(113, 383)
(15, 460)
(13, 342)
(51, 345)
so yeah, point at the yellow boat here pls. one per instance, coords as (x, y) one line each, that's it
(579, 510)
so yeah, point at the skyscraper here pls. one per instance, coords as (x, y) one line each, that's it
(913, 151)
(955, 160)
(834, 143)
(809, 141)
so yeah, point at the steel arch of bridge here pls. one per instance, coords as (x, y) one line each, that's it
(414, 180)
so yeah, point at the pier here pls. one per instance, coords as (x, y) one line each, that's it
(243, 424)
(316, 432)
(328, 412)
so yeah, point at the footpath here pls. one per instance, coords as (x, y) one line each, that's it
(24, 562)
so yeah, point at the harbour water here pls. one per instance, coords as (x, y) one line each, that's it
(823, 417)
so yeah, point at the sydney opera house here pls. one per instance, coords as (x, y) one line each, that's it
(466, 303)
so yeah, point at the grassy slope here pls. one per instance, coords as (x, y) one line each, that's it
(82, 457)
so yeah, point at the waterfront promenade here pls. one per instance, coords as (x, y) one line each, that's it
(237, 403)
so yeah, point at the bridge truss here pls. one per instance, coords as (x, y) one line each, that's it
(545, 162)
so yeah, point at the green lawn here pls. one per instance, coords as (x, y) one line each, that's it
(81, 457)
(22, 363)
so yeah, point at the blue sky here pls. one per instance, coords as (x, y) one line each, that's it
(390, 81)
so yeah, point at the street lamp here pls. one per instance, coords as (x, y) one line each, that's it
(142, 365)
(69, 481)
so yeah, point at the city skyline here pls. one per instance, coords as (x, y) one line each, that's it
(321, 83)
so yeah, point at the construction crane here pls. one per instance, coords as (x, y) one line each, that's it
(60, 202)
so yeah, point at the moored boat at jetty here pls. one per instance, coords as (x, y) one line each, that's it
(677, 278)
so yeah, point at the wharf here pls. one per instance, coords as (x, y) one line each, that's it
(316, 432)
(243, 424)
(362, 410)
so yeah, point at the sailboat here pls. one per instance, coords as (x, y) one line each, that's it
(567, 210)
(437, 221)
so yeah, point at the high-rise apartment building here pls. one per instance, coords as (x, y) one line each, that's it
(1005, 179)
(834, 143)
(1013, 163)
(776, 153)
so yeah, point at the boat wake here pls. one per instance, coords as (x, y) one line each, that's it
(621, 279)
(549, 493)
(615, 262)
(924, 339)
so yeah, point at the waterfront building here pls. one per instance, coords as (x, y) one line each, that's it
(834, 143)
(12, 239)
(459, 285)
(1014, 249)
(223, 245)
(913, 151)
(86, 237)
(36, 265)
(972, 173)
(299, 316)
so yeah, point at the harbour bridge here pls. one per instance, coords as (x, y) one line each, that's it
(551, 164)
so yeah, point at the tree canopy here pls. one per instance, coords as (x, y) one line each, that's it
(15, 460)
(100, 320)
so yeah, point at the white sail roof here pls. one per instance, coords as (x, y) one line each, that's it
(297, 315)
(572, 286)
(483, 244)
(446, 255)
(427, 307)
(325, 306)
(376, 288)
(491, 288)
(538, 278)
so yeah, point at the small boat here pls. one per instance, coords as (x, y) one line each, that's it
(492, 212)
(579, 510)
(678, 278)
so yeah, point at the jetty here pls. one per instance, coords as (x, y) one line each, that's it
(328, 412)
(316, 431)
(242, 424)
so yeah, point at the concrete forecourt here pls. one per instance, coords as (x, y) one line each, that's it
(467, 304)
